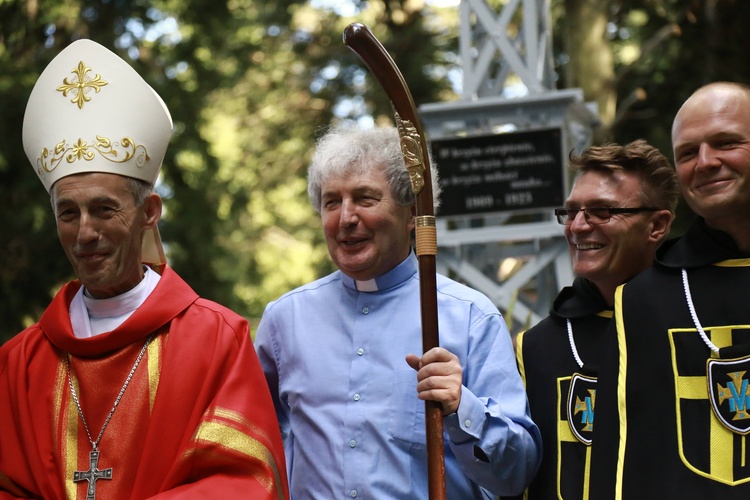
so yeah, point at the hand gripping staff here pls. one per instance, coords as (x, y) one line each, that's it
(414, 148)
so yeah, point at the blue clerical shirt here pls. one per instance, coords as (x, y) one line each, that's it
(347, 403)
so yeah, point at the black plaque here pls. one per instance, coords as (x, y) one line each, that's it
(500, 173)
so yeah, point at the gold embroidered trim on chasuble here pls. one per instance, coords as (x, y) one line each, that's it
(231, 431)
(65, 412)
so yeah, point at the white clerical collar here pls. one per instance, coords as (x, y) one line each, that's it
(90, 316)
(366, 286)
(395, 277)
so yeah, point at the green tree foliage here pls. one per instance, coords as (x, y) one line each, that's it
(249, 84)
(661, 51)
(676, 47)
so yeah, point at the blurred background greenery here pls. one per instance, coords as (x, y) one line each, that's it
(250, 84)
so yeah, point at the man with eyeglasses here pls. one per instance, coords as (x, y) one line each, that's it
(618, 212)
(674, 410)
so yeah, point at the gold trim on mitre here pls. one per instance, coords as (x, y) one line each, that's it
(82, 150)
(90, 111)
(81, 85)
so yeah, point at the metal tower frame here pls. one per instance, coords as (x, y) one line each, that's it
(526, 51)
(472, 247)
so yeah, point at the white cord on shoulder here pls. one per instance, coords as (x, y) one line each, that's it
(697, 323)
(573, 344)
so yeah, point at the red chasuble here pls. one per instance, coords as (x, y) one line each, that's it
(196, 419)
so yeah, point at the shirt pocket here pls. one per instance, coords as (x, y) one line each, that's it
(406, 420)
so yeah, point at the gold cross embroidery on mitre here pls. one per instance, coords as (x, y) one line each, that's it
(80, 84)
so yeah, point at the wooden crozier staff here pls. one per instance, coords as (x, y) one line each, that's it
(414, 148)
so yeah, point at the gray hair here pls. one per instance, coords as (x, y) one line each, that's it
(349, 150)
(140, 189)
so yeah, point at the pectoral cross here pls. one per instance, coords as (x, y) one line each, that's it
(92, 475)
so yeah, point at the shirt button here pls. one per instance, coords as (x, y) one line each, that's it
(467, 423)
(352, 444)
(353, 493)
(365, 310)
(356, 397)
(360, 351)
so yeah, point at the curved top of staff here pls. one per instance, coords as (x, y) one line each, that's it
(362, 42)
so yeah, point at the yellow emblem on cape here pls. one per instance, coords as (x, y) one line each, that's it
(586, 407)
(737, 392)
(80, 85)
(579, 407)
(82, 150)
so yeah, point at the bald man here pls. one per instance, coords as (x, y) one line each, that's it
(673, 406)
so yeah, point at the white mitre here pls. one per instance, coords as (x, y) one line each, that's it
(90, 111)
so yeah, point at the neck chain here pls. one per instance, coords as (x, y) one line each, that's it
(696, 322)
(94, 474)
(573, 344)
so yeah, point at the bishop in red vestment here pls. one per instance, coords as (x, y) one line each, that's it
(130, 386)
(195, 421)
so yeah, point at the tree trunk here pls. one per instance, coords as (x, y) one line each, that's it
(591, 65)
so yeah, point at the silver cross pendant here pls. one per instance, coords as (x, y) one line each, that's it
(92, 475)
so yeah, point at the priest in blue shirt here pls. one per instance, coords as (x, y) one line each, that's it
(339, 353)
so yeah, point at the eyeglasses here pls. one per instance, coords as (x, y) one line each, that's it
(596, 215)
